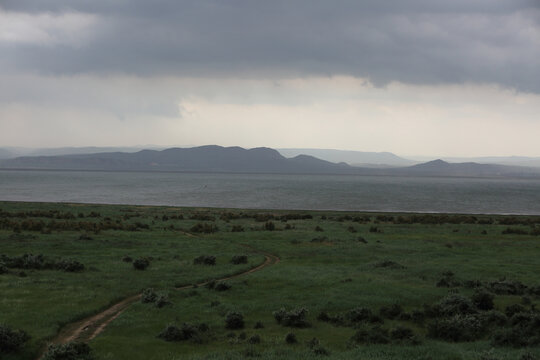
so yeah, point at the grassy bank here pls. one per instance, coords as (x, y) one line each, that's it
(395, 269)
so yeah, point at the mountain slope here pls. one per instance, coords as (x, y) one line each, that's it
(355, 158)
(210, 158)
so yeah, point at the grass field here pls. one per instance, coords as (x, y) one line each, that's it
(375, 286)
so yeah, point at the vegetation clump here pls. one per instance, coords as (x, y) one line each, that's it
(239, 259)
(292, 318)
(237, 228)
(201, 228)
(11, 340)
(459, 327)
(205, 260)
(141, 264)
(174, 333)
(39, 262)
(290, 338)
(69, 351)
(222, 286)
(234, 320)
(389, 264)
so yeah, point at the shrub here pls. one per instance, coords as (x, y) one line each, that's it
(148, 296)
(455, 304)
(141, 264)
(293, 318)
(483, 300)
(290, 338)
(269, 226)
(239, 259)
(493, 318)
(127, 259)
(204, 228)
(389, 264)
(511, 310)
(255, 339)
(319, 350)
(404, 335)
(258, 325)
(205, 260)
(358, 314)
(318, 228)
(222, 286)
(162, 300)
(448, 280)
(11, 340)
(375, 335)
(457, 328)
(507, 287)
(175, 333)
(237, 228)
(3, 268)
(391, 312)
(70, 266)
(69, 351)
(234, 320)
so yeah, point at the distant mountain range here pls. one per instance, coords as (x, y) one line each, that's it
(354, 158)
(219, 159)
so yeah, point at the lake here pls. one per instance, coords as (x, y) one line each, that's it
(313, 192)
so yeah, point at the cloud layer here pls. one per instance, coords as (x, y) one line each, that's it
(409, 41)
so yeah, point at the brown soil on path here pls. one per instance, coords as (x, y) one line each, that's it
(87, 329)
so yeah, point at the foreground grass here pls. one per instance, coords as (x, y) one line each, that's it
(333, 273)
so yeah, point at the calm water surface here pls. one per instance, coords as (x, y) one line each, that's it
(329, 192)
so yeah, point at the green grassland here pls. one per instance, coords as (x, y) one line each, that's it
(330, 262)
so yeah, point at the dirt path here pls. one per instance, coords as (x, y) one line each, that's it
(87, 329)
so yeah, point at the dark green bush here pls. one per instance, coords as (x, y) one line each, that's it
(290, 338)
(141, 264)
(234, 320)
(391, 312)
(389, 264)
(511, 310)
(254, 339)
(269, 226)
(402, 334)
(162, 300)
(11, 340)
(69, 351)
(258, 325)
(374, 335)
(454, 304)
(148, 296)
(239, 259)
(70, 266)
(507, 287)
(483, 299)
(175, 333)
(293, 318)
(237, 228)
(358, 314)
(222, 286)
(205, 260)
(457, 328)
(204, 228)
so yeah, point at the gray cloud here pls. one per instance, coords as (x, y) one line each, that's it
(411, 41)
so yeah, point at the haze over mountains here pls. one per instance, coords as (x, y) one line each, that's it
(214, 158)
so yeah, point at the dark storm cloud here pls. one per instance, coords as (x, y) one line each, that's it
(412, 41)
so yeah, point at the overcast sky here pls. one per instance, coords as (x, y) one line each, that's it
(414, 77)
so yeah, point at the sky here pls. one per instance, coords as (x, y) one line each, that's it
(413, 77)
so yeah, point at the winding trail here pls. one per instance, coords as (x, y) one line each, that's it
(87, 329)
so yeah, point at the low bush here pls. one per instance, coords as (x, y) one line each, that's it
(293, 318)
(237, 228)
(269, 226)
(402, 334)
(483, 300)
(391, 312)
(234, 320)
(511, 310)
(141, 264)
(222, 286)
(162, 300)
(454, 304)
(205, 260)
(175, 333)
(70, 266)
(358, 314)
(524, 331)
(127, 259)
(389, 264)
(318, 228)
(11, 340)
(204, 228)
(374, 335)
(254, 339)
(258, 325)
(457, 328)
(69, 351)
(148, 296)
(290, 338)
(507, 287)
(239, 259)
